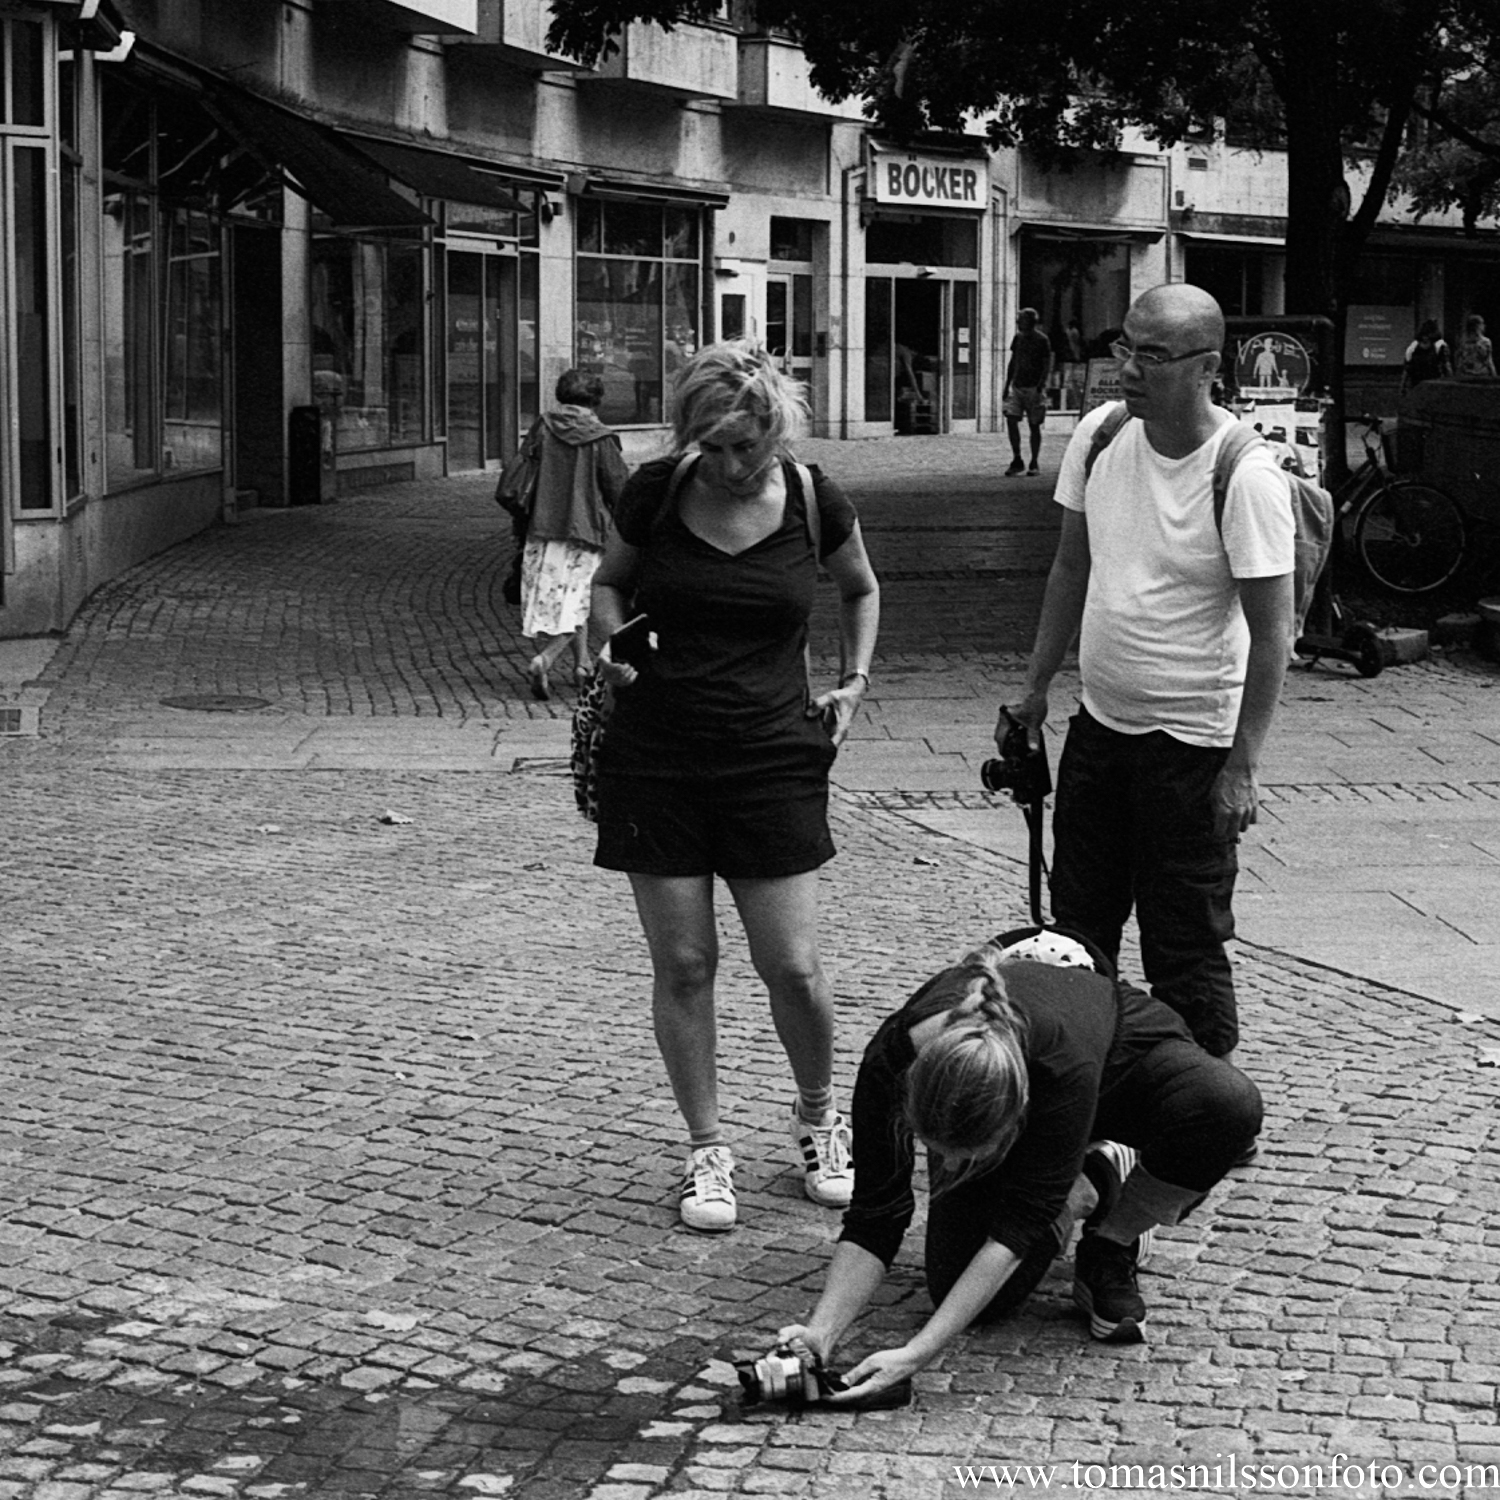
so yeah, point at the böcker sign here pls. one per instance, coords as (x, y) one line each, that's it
(917, 181)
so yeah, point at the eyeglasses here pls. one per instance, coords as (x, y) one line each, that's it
(1148, 360)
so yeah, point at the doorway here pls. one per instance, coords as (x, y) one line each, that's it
(789, 325)
(480, 351)
(918, 320)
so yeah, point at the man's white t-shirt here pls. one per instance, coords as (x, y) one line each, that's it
(1164, 643)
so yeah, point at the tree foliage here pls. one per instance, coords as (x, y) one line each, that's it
(1454, 161)
(1064, 76)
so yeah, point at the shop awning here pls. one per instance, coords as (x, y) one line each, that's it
(1045, 229)
(438, 174)
(639, 190)
(317, 162)
(1249, 241)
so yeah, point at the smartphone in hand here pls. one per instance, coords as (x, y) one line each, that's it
(633, 643)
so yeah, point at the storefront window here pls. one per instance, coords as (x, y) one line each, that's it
(877, 349)
(70, 178)
(28, 100)
(33, 388)
(924, 240)
(367, 317)
(1083, 281)
(129, 347)
(163, 277)
(638, 299)
(963, 364)
(193, 389)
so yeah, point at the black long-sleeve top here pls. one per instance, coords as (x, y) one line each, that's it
(1072, 1017)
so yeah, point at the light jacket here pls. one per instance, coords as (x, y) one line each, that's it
(581, 476)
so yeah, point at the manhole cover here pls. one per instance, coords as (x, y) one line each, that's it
(216, 703)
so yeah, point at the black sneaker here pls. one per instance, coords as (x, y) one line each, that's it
(1033, 471)
(1016, 467)
(1104, 1287)
(1107, 1164)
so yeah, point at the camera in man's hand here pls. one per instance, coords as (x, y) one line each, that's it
(1021, 768)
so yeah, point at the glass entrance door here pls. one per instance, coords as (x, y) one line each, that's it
(789, 325)
(481, 350)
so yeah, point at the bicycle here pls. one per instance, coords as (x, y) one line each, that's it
(1409, 536)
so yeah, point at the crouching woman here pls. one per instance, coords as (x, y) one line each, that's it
(1025, 1082)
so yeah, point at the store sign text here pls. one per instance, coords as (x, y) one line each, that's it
(934, 184)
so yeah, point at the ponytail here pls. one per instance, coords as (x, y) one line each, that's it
(966, 1090)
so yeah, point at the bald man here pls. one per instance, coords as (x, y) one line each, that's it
(1186, 628)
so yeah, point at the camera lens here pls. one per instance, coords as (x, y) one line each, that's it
(994, 777)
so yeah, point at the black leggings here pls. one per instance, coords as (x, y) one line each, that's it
(1191, 1116)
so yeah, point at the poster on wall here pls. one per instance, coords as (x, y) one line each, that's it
(1272, 367)
(1101, 384)
(1378, 335)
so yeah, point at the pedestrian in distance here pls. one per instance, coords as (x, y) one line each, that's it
(1042, 1095)
(717, 753)
(1186, 627)
(1427, 357)
(580, 477)
(1476, 355)
(1025, 393)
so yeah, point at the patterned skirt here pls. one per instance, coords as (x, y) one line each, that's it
(556, 579)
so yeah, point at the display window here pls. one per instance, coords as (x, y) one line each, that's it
(171, 180)
(639, 295)
(368, 322)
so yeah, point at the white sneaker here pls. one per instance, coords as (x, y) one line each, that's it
(827, 1153)
(708, 1190)
(1107, 1164)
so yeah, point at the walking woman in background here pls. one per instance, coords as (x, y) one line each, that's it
(716, 758)
(579, 481)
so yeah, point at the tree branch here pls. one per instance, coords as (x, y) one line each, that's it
(1460, 133)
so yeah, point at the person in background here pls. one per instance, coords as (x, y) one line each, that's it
(1427, 357)
(1042, 1095)
(716, 757)
(581, 477)
(1476, 355)
(1025, 393)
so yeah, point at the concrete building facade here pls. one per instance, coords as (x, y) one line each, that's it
(272, 251)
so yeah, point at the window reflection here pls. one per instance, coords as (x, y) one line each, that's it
(638, 302)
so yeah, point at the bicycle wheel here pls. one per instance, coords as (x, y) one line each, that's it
(1410, 537)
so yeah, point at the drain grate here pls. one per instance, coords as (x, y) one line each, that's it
(216, 703)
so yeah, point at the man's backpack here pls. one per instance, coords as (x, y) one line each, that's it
(1312, 505)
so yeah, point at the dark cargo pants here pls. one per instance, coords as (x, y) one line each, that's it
(1134, 828)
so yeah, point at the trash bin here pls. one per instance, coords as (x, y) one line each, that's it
(1448, 435)
(313, 443)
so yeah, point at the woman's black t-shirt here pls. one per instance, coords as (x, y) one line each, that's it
(728, 679)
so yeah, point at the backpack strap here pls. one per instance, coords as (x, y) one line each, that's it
(1104, 434)
(810, 511)
(1232, 449)
(675, 481)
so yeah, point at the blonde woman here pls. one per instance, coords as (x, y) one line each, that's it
(1006, 1072)
(717, 755)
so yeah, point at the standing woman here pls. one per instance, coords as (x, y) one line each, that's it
(717, 754)
(1476, 355)
(580, 479)
(1427, 357)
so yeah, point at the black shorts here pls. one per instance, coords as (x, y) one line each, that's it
(740, 829)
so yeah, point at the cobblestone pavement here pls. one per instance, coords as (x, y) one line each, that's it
(338, 1160)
